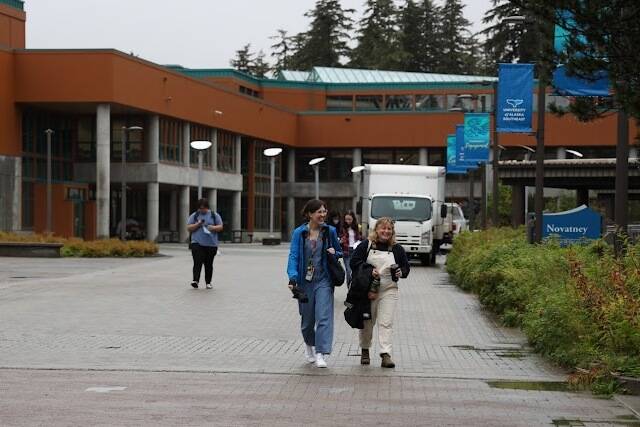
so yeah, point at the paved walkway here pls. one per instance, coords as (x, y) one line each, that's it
(233, 355)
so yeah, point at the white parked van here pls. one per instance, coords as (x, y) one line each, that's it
(414, 197)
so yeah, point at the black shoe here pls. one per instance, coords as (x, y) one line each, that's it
(386, 361)
(194, 285)
(364, 357)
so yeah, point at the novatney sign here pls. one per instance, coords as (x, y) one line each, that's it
(572, 226)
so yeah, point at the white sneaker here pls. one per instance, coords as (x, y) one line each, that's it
(309, 353)
(209, 286)
(320, 362)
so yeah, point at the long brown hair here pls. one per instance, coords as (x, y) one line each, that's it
(385, 220)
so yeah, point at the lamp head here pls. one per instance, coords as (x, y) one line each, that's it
(575, 153)
(357, 169)
(317, 160)
(200, 145)
(272, 152)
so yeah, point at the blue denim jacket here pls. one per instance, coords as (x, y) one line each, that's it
(296, 266)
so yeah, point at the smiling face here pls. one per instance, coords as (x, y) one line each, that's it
(384, 231)
(348, 219)
(319, 216)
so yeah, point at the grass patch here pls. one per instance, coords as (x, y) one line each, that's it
(578, 306)
(88, 249)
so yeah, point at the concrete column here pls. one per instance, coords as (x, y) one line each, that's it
(357, 177)
(236, 212)
(214, 149)
(423, 157)
(212, 197)
(238, 154)
(183, 213)
(582, 196)
(173, 210)
(561, 153)
(186, 140)
(103, 169)
(152, 143)
(153, 210)
(517, 205)
(291, 201)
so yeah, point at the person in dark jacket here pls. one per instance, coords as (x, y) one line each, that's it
(311, 244)
(383, 253)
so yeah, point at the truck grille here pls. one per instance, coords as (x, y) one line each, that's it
(405, 239)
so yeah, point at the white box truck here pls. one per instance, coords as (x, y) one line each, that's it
(414, 197)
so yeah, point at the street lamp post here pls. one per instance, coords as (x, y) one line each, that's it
(200, 146)
(49, 133)
(315, 163)
(272, 153)
(123, 200)
(358, 170)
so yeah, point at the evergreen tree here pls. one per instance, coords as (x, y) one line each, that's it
(378, 44)
(431, 48)
(243, 59)
(259, 67)
(454, 44)
(506, 43)
(282, 51)
(325, 44)
(411, 36)
(299, 59)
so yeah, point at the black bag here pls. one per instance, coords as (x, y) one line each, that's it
(336, 271)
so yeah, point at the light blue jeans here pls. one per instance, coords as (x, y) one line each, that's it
(317, 316)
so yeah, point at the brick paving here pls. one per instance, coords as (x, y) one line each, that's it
(236, 351)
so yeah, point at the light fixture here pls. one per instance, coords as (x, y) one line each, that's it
(317, 160)
(200, 145)
(272, 152)
(575, 153)
(514, 19)
(527, 148)
(217, 112)
(357, 169)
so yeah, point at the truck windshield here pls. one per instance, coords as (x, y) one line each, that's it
(401, 208)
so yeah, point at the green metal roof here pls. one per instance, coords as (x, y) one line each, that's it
(355, 76)
(294, 76)
(18, 4)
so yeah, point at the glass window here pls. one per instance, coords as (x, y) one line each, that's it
(135, 138)
(559, 101)
(401, 208)
(430, 103)
(373, 157)
(27, 205)
(406, 157)
(304, 172)
(398, 102)
(170, 140)
(463, 101)
(436, 156)
(485, 103)
(340, 103)
(368, 102)
(226, 151)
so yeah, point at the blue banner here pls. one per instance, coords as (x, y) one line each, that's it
(476, 137)
(515, 98)
(461, 152)
(573, 226)
(452, 167)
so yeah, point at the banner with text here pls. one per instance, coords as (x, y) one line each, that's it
(476, 137)
(452, 167)
(515, 98)
(461, 152)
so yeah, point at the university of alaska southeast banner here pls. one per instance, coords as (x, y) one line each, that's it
(452, 167)
(515, 98)
(476, 137)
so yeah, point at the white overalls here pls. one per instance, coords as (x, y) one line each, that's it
(383, 307)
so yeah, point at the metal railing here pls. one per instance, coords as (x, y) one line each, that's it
(633, 231)
(18, 4)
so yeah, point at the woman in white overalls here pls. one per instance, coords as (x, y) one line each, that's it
(383, 253)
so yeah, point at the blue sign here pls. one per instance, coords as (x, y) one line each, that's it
(476, 137)
(515, 98)
(452, 167)
(573, 226)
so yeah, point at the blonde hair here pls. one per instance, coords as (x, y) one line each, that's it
(373, 233)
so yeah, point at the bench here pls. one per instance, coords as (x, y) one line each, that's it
(30, 250)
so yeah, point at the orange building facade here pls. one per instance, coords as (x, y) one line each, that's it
(91, 98)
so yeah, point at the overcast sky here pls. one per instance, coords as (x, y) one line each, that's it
(192, 33)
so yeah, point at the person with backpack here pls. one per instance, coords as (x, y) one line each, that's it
(203, 226)
(312, 244)
(387, 262)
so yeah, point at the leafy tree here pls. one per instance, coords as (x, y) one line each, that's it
(243, 60)
(454, 43)
(326, 42)
(378, 46)
(259, 67)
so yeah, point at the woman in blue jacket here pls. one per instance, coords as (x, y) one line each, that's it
(311, 244)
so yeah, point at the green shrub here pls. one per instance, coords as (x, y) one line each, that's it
(89, 249)
(579, 306)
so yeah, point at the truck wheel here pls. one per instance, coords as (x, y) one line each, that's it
(425, 259)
